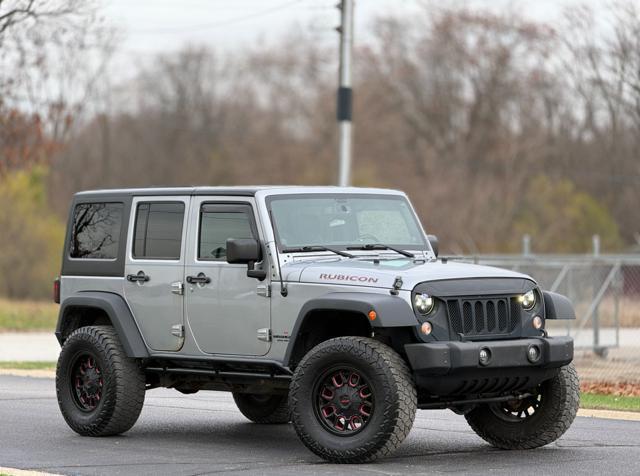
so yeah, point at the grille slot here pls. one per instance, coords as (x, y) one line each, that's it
(483, 317)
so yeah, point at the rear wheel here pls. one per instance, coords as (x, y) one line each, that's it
(534, 421)
(100, 390)
(268, 409)
(352, 400)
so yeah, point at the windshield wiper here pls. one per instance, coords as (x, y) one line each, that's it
(317, 248)
(380, 246)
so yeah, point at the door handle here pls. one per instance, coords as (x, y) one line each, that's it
(200, 279)
(138, 278)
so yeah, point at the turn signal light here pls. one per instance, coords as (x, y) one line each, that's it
(426, 328)
(372, 315)
(537, 322)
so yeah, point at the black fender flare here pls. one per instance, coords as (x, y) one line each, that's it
(115, 307)
(391, 311)
(557, 306)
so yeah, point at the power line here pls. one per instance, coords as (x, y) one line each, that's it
(207, 26)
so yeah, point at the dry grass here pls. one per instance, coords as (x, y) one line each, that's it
(618, 389)
(27, 315)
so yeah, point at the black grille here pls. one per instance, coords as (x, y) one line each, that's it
(481, 317)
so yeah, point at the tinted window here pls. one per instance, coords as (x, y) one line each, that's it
(219, 224)
(95, 230)
(158, 230)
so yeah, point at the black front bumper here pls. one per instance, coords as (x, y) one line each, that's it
(454, 368)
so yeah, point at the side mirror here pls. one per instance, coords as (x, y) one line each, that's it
(246, 251)
(243, 251)
(433, 241)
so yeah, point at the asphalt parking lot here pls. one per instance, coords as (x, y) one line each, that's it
(204, 434)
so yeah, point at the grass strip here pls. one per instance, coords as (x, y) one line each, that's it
(27, 315)
(610, 402)
(37, 365)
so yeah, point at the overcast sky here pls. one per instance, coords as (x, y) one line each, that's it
(151, 26)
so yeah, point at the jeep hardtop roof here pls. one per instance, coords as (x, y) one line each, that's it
(241, 191)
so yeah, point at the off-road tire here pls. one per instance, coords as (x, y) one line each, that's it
(393, 392)
(265, 409)
(561, 400)
(123, 388)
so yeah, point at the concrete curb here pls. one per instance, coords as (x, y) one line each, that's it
(29, 373)
(21, 472)
(610, 414)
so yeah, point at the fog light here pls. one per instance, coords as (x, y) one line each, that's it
(426, 328)
(537, 322)
(533, 353)
(484, 356)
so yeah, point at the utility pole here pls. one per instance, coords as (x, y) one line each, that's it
(344, 91)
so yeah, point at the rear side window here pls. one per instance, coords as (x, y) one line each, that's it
(219, 223)
(95, 232)
(158, 230)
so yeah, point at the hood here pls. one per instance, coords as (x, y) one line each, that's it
(366, 273)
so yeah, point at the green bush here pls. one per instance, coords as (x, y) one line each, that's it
(31, 236)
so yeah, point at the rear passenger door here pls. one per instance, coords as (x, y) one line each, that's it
(154, 269)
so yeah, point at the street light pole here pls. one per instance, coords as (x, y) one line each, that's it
(344, 110)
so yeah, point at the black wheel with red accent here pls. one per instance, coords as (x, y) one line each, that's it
(86, 381)
(352, 400)
(537, 419)
(100, 390)
(344, 400)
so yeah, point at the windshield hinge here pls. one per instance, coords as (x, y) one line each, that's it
(397, 284)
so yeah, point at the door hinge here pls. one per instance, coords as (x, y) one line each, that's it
(177, 330)
(177, 288)
(264, 334)
(264, 290)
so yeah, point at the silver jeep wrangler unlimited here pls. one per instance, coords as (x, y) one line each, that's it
(327, 307)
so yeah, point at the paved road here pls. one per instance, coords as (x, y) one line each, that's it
(204, 434)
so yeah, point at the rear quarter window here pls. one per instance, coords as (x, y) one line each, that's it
(95, 230)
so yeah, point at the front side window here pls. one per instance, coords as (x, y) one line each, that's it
(95, 232)
(158, 230)
(218, 223)
(345, 220)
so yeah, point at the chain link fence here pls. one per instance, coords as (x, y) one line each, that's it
(605, 290)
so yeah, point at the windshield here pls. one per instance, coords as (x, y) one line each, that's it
(344, 220)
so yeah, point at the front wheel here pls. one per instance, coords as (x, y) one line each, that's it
(534, 421)
(352, 400)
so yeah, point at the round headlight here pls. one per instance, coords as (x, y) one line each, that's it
(424, 303)
(528, 300)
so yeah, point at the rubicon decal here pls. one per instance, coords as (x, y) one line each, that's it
(348, 277)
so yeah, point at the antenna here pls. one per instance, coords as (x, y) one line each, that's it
(283, 290)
